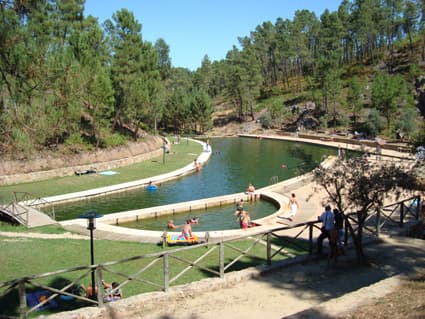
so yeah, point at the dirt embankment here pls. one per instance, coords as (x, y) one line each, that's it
(52, 164)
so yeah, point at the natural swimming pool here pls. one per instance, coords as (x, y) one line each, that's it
(234, 163)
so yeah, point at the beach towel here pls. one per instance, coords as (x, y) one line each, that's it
(108, 173)
(36, 297)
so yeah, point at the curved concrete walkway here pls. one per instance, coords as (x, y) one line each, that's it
(37, 218)
(310, 206)
(311, 201)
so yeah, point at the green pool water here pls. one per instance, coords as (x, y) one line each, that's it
(234, 163)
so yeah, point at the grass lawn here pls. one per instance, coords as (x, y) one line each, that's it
(25, 256)
(22, 256)
(181, 155)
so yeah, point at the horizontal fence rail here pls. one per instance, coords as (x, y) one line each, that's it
(160, 270)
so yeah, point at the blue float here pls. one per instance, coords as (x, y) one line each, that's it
(151, 188)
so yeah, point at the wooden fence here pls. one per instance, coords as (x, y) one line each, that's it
(161, 270)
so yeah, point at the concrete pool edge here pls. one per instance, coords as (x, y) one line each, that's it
(122, 187)
(106, 230)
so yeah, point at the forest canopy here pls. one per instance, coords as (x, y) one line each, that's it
(67, 79)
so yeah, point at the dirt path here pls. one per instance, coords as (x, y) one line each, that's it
(17, 235)
(311, 289)
(307, 290)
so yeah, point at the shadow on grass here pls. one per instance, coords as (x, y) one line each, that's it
(9, 303)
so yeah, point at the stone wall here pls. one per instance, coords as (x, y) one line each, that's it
(50, 166)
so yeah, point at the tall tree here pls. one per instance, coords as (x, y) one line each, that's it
(410, 20)
(389, 95)
(203, 77)
(164, 59)
(134, 70)
(89, 47)
(365, 27)
(67, 16)
(264, 42)
(177, 101)
(354, 98)
(243, 79)
(305, 29)
(201, 110)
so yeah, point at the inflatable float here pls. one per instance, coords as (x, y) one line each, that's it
(151, 188)
(180, 239)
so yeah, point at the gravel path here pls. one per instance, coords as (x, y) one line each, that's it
(67, 235)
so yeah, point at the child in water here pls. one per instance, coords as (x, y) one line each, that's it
(171, 224)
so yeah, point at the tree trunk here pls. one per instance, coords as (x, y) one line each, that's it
(136, 131)
(357, 239)
(116, 120)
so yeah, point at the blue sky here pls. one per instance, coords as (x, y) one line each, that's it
(195, 28)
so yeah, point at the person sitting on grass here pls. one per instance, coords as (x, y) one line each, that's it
(88, 291)
(112, 291)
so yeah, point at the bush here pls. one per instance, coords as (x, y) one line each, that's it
(374, 123)
(75, 143)
(110, 140)
(266, 120)
(21, 142)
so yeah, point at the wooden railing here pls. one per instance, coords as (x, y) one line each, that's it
(19, 213)
(32, 199)
(16, 212)
(160, 270)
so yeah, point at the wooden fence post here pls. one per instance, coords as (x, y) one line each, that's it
(221, 259)
(166, 272)
(100, 292)
(418, 206)
(310, 238)
(22, 300)
(401, 214)
(164, 239)
(269, 248)
(378, 222)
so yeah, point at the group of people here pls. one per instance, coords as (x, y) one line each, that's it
(332, 229)
(112, 291)
(186, 227)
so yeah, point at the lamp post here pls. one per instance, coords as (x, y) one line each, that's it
(164, 150)
(91, 225)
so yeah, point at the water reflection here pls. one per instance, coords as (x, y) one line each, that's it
(234, 163)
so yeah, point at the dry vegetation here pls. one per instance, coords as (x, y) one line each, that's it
(408, 302)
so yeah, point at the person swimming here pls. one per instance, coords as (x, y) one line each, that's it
(171, 225)
(194, 220)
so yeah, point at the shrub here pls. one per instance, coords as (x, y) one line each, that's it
(110, 140)
(75, 143)
(266, 121)
(21, 142)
